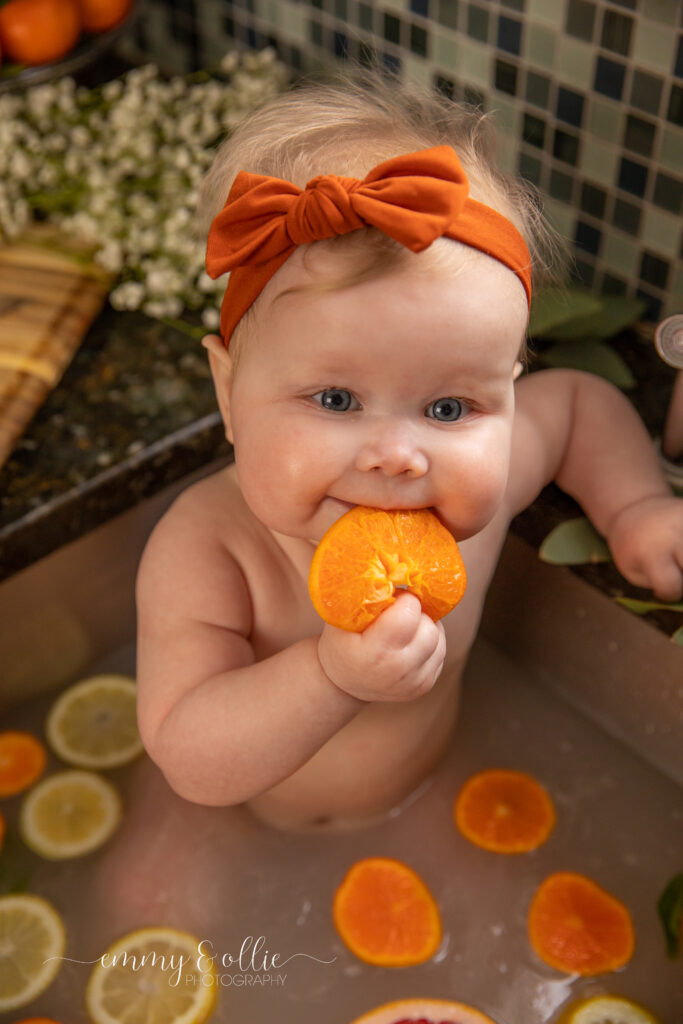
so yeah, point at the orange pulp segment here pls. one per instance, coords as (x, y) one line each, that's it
(22, 761)
(504, 811)
(578, 927)
(369, 553)
(386, 914)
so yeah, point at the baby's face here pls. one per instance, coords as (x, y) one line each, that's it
(395, 393)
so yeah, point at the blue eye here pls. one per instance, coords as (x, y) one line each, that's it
(446, 410)
(336, 399)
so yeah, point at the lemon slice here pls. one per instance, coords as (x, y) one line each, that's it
(93, 723)
(69, 814)
(161, 980)
(607, 1010)
(32, 942)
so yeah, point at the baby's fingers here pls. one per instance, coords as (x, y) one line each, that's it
(398, 624)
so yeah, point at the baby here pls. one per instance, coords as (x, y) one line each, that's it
(372, 337)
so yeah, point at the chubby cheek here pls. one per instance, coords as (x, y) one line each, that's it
(477, 488)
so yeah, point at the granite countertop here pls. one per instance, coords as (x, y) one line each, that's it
(136, 411)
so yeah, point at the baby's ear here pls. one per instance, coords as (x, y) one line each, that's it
(220, 362)
(517, 369)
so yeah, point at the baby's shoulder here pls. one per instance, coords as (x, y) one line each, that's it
(189, 551)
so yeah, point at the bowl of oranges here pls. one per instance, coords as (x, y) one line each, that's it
(43, 39)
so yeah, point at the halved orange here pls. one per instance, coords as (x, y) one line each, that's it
(385, 913)
(369, 553)
(424, 1011)
(22, 761)
(579, 927)
(504, 811)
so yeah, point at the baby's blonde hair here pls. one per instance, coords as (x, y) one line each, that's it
(345, 125)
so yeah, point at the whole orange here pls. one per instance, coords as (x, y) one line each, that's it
(39, 31)
(101, 15)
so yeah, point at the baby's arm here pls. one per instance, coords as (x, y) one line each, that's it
(582, 432)
(224, 727)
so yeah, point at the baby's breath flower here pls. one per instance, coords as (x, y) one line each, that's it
(121, 167)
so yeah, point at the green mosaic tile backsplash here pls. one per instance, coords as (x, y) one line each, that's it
(587, 96)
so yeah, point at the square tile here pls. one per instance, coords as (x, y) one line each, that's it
(537, 89)
(506, 77)
(660, 232)
(546, 12)
(664, 11)
(653, 46)
(507, 117)
(444, 85)
(605, 120)
(632, 177)
(566, 147)
(561, 185)
(646, 92)
(580, 20)
(420, 7)
(509, 36)
(419, 40)
(477, 23)
(446, 51)
(574, 62)
(619, 254)
(365, 16)
(639, 135)
(593, 200)
(474, 63)
(678, 64)
(627, 216)
(561, 216)
(654, 270)
(668, 193)
(616, 32)
(671, 149)
(392, 29)
(540, 46)
(530, 167)
(609, 77)
(569, 106)
(599, 161)
(447, 13)
(533, 131)
(674, 112)
(587, 237)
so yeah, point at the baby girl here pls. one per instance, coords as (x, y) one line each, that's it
(372, 339)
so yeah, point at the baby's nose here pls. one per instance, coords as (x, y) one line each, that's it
(393, 452)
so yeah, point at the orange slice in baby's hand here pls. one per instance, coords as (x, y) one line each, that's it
(22, 761)
(578, 927)
(369, 553)
(424, 1011)
(504, 811)
(385, 913)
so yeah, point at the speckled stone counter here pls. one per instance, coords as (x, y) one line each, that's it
(136, 411)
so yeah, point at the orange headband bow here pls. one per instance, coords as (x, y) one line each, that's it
(413, 198)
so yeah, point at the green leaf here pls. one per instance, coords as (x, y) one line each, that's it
(643, 607)
(554, 306)
(615, 313)
(591, 355)
(677, 637)
(670, 909)
(575, 542)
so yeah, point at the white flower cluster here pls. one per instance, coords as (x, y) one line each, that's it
(121, 165)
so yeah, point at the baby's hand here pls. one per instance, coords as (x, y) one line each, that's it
(397, 658)
(646, 541)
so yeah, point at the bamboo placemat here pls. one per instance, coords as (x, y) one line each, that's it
(50, 292)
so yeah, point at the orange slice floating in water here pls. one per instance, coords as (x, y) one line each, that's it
(386, 914)
(578, 927)
(22, 761)
(504, 811)
(370, 553)
(424, 1011)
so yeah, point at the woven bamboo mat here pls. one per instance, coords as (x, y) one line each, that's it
(50, 292)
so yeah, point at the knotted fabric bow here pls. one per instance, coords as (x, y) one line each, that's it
(414, 198)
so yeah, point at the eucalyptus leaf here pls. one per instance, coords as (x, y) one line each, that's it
(677, 637)
(555, 306)
(591, 355)
(575, 542)
(643, 607)
(670, 910)
(615, 313)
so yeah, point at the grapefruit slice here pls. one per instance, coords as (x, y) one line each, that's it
(424, 1011)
